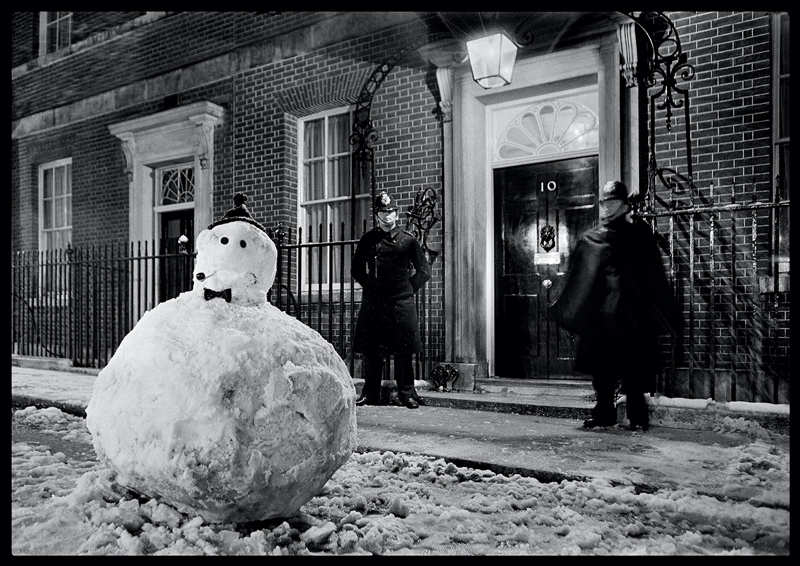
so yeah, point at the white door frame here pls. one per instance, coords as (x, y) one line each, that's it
(471, 196)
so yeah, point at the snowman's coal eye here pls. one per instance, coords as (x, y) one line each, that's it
(243, 243)
(224, 240)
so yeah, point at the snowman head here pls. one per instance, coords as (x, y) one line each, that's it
(236, 260)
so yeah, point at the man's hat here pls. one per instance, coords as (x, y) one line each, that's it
(383, 203)
(614, 190)
(238, 213)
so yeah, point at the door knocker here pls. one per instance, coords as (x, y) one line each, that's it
(547, 238)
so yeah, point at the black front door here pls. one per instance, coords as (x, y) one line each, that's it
(176, 246)
(540, 211)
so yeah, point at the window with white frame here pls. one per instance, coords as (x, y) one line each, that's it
(55, 31)
(327, 207)
(55, 204)
(55, 222)
(781, 158)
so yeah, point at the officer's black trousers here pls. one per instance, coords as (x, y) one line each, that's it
(633, 386)
(403, 375)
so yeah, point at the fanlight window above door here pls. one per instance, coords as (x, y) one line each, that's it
(549, 127)
(176, 184)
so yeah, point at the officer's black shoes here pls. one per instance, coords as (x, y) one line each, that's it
(364, 400)
(411, 403)
(640, 426)
(594, 423)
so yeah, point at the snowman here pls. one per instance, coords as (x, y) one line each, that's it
(217, 402)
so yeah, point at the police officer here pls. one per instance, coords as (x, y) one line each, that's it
(618, 301)
(387, 322)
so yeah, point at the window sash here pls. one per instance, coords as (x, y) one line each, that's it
(781, 135)
(55, 220)
(55, 31)
(325, 194)
(56, 204)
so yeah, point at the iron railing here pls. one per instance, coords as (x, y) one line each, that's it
(313, 283)
(735, 295)
(80, 303)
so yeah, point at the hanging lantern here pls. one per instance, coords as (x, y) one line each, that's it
(492, 60)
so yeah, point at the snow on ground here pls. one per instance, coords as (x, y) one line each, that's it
(387, 503)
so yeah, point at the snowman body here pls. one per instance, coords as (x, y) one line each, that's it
(217, 402)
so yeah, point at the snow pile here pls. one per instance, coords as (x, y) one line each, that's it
(387, 503)
(51, 421)
(741, 407)
(234, 410)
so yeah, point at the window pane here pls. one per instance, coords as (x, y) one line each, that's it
(47, 214)
(313, 143)
(340, 212)
(48, 183)
(784, 109)
(58, 184)
(783, 214)
(63, 33)
(316, 218)
(51, 39)
(314, 187)
(339, 134)
(68, 212)
(784, 44)
(339, 181)
(59, 214)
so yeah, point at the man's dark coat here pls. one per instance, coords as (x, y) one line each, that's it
(387, 322)
(617, 298)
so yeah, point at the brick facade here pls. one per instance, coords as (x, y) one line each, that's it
(269, 70)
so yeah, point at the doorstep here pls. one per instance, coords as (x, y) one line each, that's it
(573, 400)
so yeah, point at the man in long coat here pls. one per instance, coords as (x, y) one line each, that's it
(617, 300)
(387, 322)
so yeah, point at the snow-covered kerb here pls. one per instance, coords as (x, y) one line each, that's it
(708, 414)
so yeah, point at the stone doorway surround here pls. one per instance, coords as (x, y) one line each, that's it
(182, 133)
(468, 200)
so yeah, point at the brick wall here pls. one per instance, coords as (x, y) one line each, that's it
(169, 43)
(256, 147)
(270, 100)
(734, 334)
(24, 37)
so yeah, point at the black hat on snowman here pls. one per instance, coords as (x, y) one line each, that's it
(238, 213)
(383, 203)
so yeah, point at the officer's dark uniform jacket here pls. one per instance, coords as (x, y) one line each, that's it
(617, 298)
(387, 322)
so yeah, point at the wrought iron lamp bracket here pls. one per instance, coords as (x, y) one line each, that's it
(667, 62)
(665, 74)
(422, 217)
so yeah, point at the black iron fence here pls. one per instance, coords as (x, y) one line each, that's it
(313, 283)
(80, 303)
(733, 284)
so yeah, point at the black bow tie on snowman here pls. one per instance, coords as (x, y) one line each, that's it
(211, 294)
